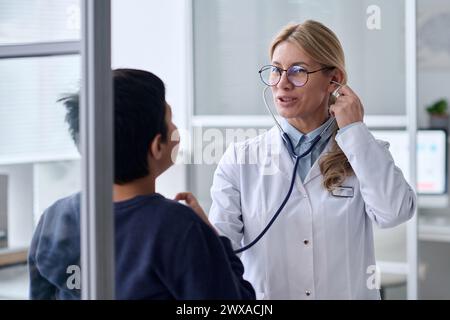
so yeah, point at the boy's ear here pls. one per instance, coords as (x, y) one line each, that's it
(156, 150)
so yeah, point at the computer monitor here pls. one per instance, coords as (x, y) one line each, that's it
(431, 157)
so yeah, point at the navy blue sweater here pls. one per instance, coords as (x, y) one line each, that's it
(163, 251)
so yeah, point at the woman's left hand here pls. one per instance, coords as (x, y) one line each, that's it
(348, 108)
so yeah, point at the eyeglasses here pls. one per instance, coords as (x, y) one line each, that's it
(297, 75)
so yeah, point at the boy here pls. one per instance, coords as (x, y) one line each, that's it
(163, 249)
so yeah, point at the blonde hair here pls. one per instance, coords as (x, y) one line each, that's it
(322, 45)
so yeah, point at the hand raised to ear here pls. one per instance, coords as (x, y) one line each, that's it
(348, 108)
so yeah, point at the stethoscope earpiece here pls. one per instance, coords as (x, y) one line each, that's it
(336, 93)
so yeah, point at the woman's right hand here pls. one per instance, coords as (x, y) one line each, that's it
(192, 202)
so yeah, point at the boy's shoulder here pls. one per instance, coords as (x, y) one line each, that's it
(161, 219)
(174, 210)
(66, 210)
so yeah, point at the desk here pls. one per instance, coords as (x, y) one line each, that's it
(13, 256)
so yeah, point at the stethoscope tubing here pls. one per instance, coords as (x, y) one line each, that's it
(297, 158)
(286, 198)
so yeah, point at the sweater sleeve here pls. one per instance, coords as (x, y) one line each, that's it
(40, 287)
(199, 265)
(245, 287)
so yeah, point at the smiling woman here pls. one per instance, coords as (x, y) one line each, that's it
(321, 246)
(307, 106)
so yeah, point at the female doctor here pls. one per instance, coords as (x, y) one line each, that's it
(321, 245)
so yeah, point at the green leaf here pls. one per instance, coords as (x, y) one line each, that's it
(439, 107)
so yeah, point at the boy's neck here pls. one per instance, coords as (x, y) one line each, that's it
(138, 187)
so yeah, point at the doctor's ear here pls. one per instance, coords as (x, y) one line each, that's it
(336, 77)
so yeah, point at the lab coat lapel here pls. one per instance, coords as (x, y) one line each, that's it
(285, 162)
(315, 170)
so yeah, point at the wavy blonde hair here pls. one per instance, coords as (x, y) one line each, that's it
(322, 45)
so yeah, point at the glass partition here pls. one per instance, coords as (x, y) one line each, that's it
(31, 21)
(39, 162)
(232, 39)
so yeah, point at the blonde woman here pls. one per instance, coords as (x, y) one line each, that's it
(321, 244)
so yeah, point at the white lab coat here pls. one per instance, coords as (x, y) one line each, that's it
(321, 245)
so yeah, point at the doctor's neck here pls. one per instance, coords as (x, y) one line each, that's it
(309, 123)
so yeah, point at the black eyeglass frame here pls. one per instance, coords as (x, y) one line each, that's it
(281, 70)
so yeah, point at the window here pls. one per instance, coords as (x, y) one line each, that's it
(31, 21)
(33, 126)
(232, 38)
(39, 163)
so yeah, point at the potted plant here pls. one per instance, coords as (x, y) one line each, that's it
(438, 114)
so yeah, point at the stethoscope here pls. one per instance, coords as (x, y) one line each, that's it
(295, 156)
